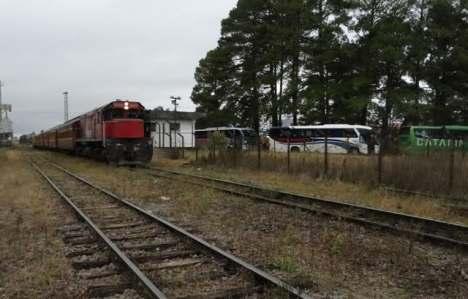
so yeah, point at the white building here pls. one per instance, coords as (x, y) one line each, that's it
(174, 129)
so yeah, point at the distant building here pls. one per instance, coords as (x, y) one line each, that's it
(6, 126)
(174, 129)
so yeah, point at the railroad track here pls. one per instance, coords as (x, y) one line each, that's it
(121, 248)
(452, 202)
(424, 229)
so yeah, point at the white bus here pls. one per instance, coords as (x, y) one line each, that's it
(239, 138)
(342, 139)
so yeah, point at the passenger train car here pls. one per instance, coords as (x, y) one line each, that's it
(115, 132)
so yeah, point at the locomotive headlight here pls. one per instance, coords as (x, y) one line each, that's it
(126, 106)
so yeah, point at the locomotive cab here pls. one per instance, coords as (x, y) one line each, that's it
(124, 136)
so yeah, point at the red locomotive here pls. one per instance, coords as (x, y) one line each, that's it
(115, 132)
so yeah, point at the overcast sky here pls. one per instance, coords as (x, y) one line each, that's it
(100, 50)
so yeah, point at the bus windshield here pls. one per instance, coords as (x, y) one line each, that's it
(365, 135)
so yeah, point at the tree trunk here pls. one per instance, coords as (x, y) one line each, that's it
(273, 96)
(439, 109)
(280, 99)
(295, 87)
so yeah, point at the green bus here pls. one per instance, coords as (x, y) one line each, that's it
(428, 138)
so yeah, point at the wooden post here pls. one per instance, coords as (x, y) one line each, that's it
(289, 154)
(451, 164)
(259, 151)
(428, 146)
(325, 166)
(234, 148)
(380, 162)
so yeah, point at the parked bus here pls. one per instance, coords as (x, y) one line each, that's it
(239, 138)
(342, 139)
(424, 138)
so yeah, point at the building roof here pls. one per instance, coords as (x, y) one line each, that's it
(328, 126)
(156, 115)
(223, 129)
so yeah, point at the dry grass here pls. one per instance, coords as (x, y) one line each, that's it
(326, 256)
(31, 253)
(414, 172)
(334, 189)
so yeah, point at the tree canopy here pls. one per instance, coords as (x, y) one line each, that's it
(351, 61)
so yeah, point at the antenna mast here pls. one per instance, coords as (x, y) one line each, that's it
(65, 105)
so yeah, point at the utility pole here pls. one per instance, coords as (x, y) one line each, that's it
(1, 107)
(174, 102)
(65, 105)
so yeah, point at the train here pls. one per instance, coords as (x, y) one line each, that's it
(116, 133)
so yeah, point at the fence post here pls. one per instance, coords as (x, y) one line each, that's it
(343, 169)
(428, 146)
(214, 150)
(380, 161)
(234, 148)
(452, 164)
(259, 151)
(463, 141)
(325, 170)
(196, 153)
(289, 154)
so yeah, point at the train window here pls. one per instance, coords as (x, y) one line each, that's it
(117, 113)
(135, 114)
(107, 115)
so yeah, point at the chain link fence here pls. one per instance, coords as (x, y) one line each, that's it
(438, 173)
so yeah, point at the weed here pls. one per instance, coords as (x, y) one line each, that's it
(286, 264)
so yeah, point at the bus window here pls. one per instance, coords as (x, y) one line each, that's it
(309, 133)
(428, 133)
(201, 134)
(405, 136)
(340, 133)
(275, 133)
(350, 133)
(405, 131)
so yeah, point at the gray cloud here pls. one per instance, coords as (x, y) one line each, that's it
(100, 50)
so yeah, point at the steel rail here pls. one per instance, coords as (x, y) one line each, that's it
(428, 195)
(365, 213)
(260, 274)
(154, 291)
